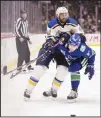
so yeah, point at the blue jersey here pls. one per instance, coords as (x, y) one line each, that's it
(83, 51)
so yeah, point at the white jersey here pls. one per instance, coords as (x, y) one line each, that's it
(71, 26)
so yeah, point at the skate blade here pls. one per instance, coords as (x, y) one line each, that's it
(53, 98)
(24, 72)
(72, 101)
(46, 96)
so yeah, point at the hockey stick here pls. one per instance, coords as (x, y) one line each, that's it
(32, 61)
(26, 65)
(13, 75)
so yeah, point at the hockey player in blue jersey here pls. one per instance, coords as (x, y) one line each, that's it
(78, 55)
(61, 23)
(77, 50)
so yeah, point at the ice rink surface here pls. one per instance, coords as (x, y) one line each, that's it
(88, 103)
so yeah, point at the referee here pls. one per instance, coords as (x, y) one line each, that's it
(22, 39)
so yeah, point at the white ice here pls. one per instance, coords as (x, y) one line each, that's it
(88, 104)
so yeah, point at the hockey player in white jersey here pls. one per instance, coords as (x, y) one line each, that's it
(61, 23)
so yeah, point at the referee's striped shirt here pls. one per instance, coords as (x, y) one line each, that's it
(21, 28)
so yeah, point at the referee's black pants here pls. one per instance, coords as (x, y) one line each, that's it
(23, 52)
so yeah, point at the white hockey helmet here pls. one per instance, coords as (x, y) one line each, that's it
(61, 10)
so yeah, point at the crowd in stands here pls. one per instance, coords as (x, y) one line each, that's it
(87, 13)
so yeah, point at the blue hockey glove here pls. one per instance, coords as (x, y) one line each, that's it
(90, 70)
(47, 49)
(49, 46)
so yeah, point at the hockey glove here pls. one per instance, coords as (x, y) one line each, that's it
(49, 46)
(47, 49)
(83, 38)
(90, 70)
(64, 37)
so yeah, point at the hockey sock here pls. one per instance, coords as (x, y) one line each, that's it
(38, 73)
(31, 83)
(62, 71)
(56, 84)
(75, 80)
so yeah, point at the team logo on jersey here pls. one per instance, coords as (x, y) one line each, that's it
(69, 56)
(82, 48)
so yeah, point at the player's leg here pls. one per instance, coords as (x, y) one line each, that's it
(33, 80)
(75, 77)
(40, 68)
(62, 71)
(75, 81)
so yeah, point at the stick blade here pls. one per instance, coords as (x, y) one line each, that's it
(4, 70)
(15, 74)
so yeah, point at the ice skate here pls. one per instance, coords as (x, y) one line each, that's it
(50, 92)
(72, 97)
(25, 70)
(30, 68)
(27, 95)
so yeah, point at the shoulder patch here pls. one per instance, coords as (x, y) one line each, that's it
(72, 21)
(82, 48)
(53, 23)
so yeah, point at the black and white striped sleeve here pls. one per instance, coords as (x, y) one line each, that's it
(17, 27)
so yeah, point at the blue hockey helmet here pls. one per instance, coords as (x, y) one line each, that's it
(75, 40)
